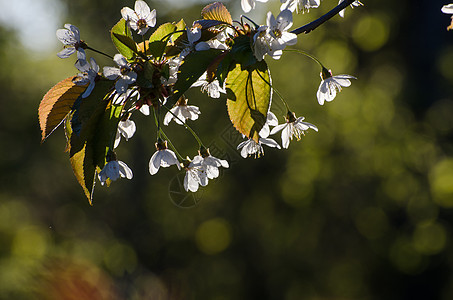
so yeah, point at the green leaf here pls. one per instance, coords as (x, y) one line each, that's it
(176, 39)
(217, 12)
(159, 39)
(249, 98)
(163, 31)
(56, 104)
(105, 133)
(84, 135)
(195, 64)
(122, 39)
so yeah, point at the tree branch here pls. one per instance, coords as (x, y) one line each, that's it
(313, 25)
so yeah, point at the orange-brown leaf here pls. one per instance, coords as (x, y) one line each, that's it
(56, 104)
(217, 12)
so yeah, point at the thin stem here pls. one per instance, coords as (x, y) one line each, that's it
(200, 143)
(97, 51)
(306, 54)
(281, 98)
(256, 25)
(161, 133)
(144, 45)
(171, 145)
(313, 25)
(171, 33)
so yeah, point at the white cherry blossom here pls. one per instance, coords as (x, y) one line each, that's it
(293, 127)
(271, 120)
(181, 112)
(448, 9)
(120, 99)
(300, 5)
(113, 170)
(195, 175)
(126, 129)
(264, 43)
(163, 157)
(193, 35)
(274, 37)
(252, 148)
(248, 5)
(70, 37)
(173, 66)
(330, 84)
(212, 164)
(212, 87)
(88, 76)
(278, 28)
(141, 18)
(123, 74)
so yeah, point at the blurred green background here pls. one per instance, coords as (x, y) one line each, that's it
(360, 210)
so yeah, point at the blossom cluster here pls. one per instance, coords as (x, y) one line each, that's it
(150, 97)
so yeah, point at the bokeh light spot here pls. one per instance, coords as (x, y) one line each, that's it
(441, 180)
(429, 238)
(371, 32)
(120, 258)
(405, 257)
(213, 236)
(29, 242)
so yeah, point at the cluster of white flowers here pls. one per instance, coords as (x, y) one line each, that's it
(293, 127)
(270, 39)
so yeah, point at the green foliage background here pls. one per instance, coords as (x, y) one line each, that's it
(360, 210)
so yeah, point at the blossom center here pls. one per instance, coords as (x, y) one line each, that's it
(277, 33)
(124, 70)
(141, 23)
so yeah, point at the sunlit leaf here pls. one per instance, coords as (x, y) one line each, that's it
(218, 12)
(175, 42)
(84, 134)
(105, 133)
(122, 39)
(249, 98)
(56, 104)
(159, 39)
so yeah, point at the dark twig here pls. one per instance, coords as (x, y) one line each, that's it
(313, 25)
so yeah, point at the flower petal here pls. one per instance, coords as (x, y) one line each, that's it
(278, 128)
(168, 159)
(151, 18)
(447, 9)
(247, 5)
(284, 20)
(127, 13)
(202, 46)
(154, 162)
(125, 171)
(142, 9)
(269, 142)
(286, 135)
(111, 73)
(120, 60)
(66, 52)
